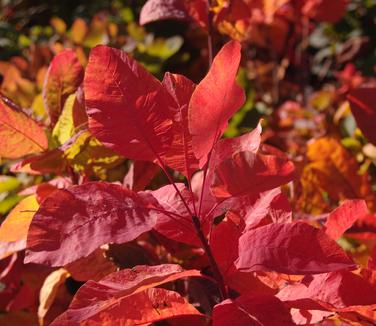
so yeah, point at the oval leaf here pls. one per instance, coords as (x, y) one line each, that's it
(19, 134)
(291, 248)
(63, 77)
(128, 109)
(116, 294)
(72, 223)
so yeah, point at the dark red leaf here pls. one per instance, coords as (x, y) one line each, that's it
(325, 10)
(129, 110)
(139, 175)
(291, 248)
(72, 223)
(363, 106)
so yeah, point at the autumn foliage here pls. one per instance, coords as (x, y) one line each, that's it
(135, 196)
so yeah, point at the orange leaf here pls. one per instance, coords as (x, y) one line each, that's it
(13, 231)
(19, 134)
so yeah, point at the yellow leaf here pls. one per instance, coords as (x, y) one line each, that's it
(64, 127)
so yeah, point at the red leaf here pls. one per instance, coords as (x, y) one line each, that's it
(266, 310)
(72, 223)
(291, 248)
(343, 217)
(325, 10)
(143, 308)
(330, 291)
(64, 76)
(129, 110)
(247, 173)
(216, 98)
(224, 244)
(270, 206)
(180, 156)
(222, 150)
(363, 106)
(121, 296)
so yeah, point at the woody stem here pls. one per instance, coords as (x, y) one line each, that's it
(215, 269)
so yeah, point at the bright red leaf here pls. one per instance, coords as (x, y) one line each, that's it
(343, 217)
(71, 223)
(247, 172)
(129, 110)
(270, 206)
(216, 98)
(127, 297)
(291, 248)
(330, 291)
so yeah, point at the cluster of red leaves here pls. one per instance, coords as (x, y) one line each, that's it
(222, 247)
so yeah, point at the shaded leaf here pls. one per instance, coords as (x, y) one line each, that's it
(266, 310)
(88, 155)
(49, 291)
(86, 217)
(325, 10)
(139, 175)
(97, 266)
(362, 103)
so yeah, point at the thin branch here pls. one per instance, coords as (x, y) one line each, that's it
(216, 272)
